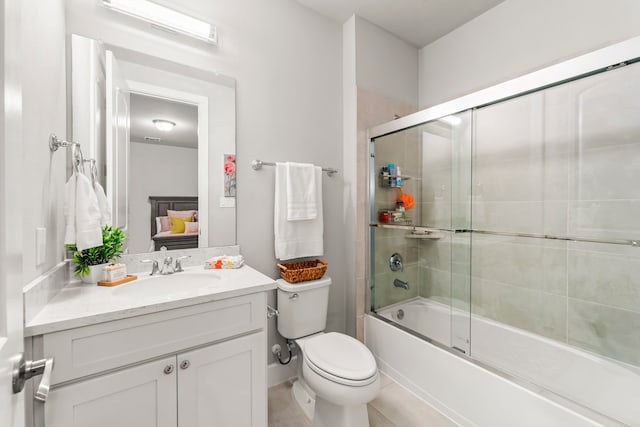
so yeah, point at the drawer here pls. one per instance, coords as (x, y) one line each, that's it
(88, 350)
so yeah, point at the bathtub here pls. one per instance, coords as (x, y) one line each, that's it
(481, 394)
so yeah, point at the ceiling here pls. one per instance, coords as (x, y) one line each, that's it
(418, 22)
(146, 108)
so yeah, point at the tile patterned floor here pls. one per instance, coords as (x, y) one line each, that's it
(393, 407)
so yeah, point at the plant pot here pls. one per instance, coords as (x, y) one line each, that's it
(96, 273)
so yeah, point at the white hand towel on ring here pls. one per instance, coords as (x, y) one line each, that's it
(82, 214)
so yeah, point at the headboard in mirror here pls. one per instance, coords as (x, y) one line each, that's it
(183, 206)
(118, 98)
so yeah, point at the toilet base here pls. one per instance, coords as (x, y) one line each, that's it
(305, 399)
(322, 413)
(328, 414)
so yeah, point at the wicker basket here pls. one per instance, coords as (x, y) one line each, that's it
(303, 271)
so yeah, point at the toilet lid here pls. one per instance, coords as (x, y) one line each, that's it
(341, 356)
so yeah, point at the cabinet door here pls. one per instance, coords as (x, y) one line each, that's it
(142, 396)
(224, 385)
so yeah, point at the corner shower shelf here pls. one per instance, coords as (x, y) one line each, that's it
(417, 232)
(385, 182)
(433, 235)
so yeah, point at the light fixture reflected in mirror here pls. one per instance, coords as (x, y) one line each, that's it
(164, 125)
(451, 120)
(165, 18)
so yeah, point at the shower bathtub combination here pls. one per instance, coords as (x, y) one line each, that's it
(506, 291)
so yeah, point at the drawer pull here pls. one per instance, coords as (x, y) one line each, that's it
(169, 368)
(184, 364)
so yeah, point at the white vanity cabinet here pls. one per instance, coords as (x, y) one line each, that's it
(199, 365)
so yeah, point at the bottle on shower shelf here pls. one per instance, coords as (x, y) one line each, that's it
(392, 175)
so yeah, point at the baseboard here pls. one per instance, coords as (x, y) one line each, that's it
(277, 373)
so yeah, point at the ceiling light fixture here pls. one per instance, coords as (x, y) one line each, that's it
(165, 18)
(164, 125)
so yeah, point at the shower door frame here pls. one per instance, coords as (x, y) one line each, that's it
(604, 59)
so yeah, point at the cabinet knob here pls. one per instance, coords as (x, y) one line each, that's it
(169, 368)
(184, 364)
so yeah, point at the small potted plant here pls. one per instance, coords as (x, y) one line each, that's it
(91, 262)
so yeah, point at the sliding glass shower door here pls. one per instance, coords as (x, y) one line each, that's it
(419, 217)
(517, 241)
(555, 288)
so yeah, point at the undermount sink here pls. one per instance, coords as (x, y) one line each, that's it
(169, 284)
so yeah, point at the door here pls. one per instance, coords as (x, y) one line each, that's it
(117, 147)
(142, 396)
(224, 384)
(11, 318)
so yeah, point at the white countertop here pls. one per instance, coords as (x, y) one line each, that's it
(80, 304)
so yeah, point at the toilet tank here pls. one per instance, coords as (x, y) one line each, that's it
(302, 307)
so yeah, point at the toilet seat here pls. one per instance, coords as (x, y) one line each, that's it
(341, 359)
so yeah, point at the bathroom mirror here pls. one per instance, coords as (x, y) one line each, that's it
(161, 137)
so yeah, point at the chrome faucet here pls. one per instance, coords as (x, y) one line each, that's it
(178, 266)
(154, 266)
(168, 267)
(401, 284)
(167, 263)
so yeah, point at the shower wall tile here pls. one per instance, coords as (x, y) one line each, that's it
(512, 128)
(386, 293)
(605, 173)
(535, 264)
(510, 217)
(607, 275)
(555, 217)
(461, 291)
(605, 330)
(436, 253)
(435, 284)
(604, 219)
(436, 176)
(436, 214)
(509, 179)
(538, 312)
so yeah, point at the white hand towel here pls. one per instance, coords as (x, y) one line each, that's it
(82, 214)
(70, 211)
(301, 191)
(103, 204)
(296, 239)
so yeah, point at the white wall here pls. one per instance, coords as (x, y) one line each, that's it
(379, 64)
(349, 165)
(151, 177)
(44, 112)
(386, 65)
(287, 62)
(517, 37)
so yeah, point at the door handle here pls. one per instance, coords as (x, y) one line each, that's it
(26, 369)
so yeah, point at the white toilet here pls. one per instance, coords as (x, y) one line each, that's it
(337, 368)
